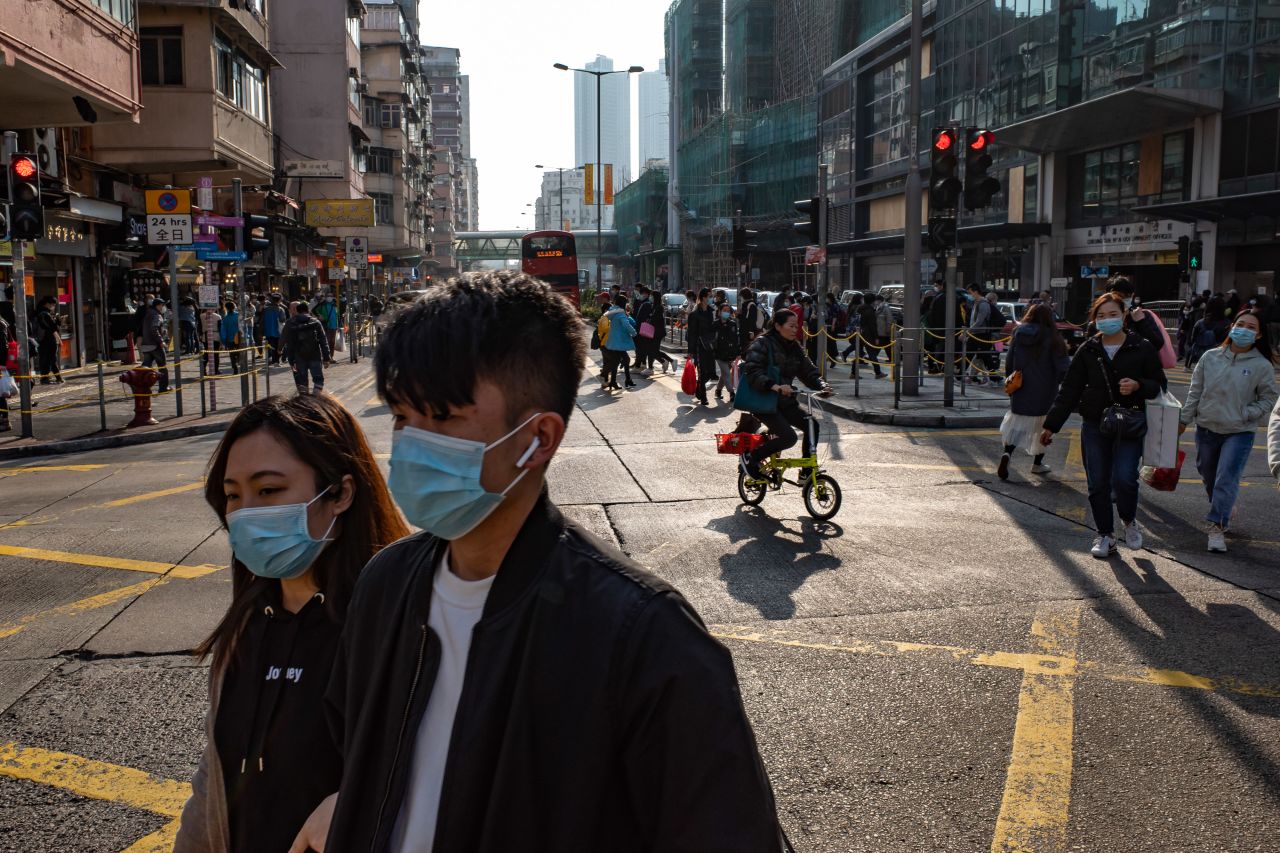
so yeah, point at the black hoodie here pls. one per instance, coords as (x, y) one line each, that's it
(278, 756)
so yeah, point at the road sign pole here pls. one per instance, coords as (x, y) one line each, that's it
(175, 329)
(241, 299)
(823, 268)
(24, 344)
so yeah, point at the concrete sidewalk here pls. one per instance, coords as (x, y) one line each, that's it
(871, 400)
(67, 418)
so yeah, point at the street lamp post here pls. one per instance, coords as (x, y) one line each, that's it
(599, 75)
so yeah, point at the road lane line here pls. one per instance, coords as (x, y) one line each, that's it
(173, 570)
(93, 602)
(1037, 795)
(96, 779)
(149, 496)
(40, 469)
(160, 841)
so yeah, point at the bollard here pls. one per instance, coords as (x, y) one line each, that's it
(964, 362)
(857, 364)
(102, 398)
(204, 411)
(141, 382)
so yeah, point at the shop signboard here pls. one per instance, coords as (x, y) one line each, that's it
(339, 213)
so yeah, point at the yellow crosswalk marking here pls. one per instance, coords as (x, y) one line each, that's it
(97, 779)
(149, 496)
(160, 841)
(44, 469)
(93, 602)
(173, 570)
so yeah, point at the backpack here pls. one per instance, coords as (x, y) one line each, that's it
(996, 320)
(760, 320)
(602, 329)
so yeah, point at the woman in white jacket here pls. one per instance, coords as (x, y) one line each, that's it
(1232, 390)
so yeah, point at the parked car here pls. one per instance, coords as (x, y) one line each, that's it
(1015, 311)
(846, 297)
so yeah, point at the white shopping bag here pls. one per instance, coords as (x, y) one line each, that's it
(1160, 448)
(339, 342)
(8, 385)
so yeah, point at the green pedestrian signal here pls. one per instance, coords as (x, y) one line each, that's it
(1195, 255)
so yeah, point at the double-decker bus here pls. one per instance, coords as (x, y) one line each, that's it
(552, 257)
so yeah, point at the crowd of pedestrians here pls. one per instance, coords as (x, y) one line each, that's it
(570, 699)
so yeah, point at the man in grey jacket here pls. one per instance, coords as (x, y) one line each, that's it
(153, 341)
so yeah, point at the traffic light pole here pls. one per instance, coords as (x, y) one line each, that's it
(175, 330)
(823, 268)
(910, 360)
(240, 297)
(24, 344)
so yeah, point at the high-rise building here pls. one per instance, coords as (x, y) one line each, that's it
(442, 67)
(655, 105)
(562, 203)
(469, 220)
(615, 120)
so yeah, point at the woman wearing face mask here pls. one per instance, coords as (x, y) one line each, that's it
(725, 331)
(1232, 391)
(1115, 369)
(297, 487)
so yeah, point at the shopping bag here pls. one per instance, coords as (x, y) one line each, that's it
(8, 385)
(689, 380)
(1160, 445)
(647, 330)
(733, 372)
(1168, 355)
(339, 342)
(1163, 479)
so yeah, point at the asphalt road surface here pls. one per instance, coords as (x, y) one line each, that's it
(943, 667)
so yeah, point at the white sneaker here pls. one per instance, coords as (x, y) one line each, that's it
(1132, 535)
(1103, 547)
(1041, 469)
(1217, 540)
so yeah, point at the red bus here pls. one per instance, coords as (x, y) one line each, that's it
(552, 257)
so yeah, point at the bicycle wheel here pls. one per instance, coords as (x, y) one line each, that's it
(822, 497)
(751, 493)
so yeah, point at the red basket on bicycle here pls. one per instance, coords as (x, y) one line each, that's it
(737, 443)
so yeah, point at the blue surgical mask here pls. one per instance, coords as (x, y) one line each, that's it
(1111, 325)
(275, 541)
(1242, 336)
(725, 315)
(435, 479)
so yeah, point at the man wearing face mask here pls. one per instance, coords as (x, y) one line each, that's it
(505, 680)
(1139, 320)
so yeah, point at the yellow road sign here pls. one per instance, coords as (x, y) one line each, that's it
(169, 201)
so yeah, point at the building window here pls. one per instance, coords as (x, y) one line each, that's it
(379, 161)
(372, 112)
(239, 80)
(391, 115)
(1110, 181)
(383, 208)
(161, 56)
(1173, 167)
(121, 10)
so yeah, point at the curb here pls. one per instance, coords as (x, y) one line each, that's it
(105, 442)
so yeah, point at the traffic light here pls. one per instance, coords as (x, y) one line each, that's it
(979, 186)
(742, 242)
(944, 182)
(1184, 251)
(26, 214)
(1195, 255)
(942, 234)
(809, 227)
(255, 233)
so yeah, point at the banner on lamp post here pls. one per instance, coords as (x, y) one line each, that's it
(608, 183)
(589, 184)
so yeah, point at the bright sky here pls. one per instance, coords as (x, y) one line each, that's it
(521, 107)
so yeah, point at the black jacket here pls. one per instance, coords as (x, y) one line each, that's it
(727, 345)
(1031, 351)
(700, 333)
(1085, 387)
(650, 311)
(597, 712)
(788, 356)
(303, 339)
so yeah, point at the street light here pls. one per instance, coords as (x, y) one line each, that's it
(599, 75)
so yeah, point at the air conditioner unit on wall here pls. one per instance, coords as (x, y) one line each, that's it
(46, 150)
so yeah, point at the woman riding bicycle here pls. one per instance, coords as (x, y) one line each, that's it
(773, 361)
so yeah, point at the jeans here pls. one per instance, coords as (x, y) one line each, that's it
(300, 370)
(156, 357)
(1220, 459)
(725, 369)
(1111, 465)
(780, 425)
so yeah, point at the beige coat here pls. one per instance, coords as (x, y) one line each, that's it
(206, 824)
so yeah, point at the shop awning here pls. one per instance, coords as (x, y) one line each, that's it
(1216, 209)
(1127, 114)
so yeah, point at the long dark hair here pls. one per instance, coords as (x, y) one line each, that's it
(1263, 343)
(1041, 315)
(324, 435)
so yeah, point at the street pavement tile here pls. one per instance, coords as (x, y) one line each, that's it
(880, 754)
(35, 817)
(1165, 770)
(591, 475)
(91, 709)
(34, 587)
(581, 432)
(594, 519)
(171, 618)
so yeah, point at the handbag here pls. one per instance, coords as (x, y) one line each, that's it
(647, 330)
(689, 379)
(1120, 422)
(1013, 382)
(748, 399)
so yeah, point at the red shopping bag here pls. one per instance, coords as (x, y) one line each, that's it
(689, 381)
(1163, 479)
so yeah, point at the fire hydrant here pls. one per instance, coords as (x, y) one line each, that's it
(140, 381)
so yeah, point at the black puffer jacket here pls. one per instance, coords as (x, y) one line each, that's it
(1085, 388)
(788, 356)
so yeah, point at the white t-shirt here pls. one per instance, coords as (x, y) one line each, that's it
(456, 607)
(1112, 350)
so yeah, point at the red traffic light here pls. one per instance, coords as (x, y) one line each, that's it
(982, 139)
(24, 167)
(945, 140)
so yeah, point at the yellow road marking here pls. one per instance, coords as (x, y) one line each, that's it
(375, 400)
(93, 602)
(1075, 453)
(41, 469)
(160, 841)
(97, 779)
(148, 496)
(1037, 794)
(173, 570)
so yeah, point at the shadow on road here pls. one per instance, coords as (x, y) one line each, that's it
(775, 559)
